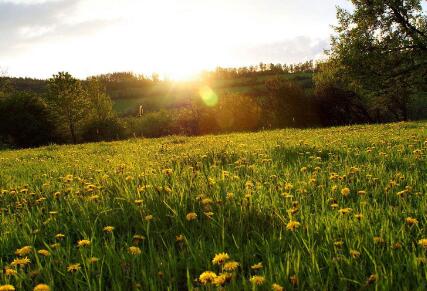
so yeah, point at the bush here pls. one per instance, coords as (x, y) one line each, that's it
(104, 130)
(25, 121)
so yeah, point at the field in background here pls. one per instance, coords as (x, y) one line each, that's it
(340, 208)
(167, 96)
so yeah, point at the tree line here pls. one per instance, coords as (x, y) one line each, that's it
(375, 71)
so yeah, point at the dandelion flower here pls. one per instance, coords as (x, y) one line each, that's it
(72, 268)
(179, 238)
(108, 229)
(20, 262)
(24, 251)
(10, 272)
(42, 287)
(345, 192)
(220, 258)
(44, 253)
(7, 287)
(138, 202)
(411, 221)
(344, 211)
(277, 287)
(354, 254)
(191, 216)
(92, 260)
(221, 279)
(83, 243)
(137, 238)
(423, 242)
(293, 225)
(149, 217)
(372, 279)
(59, 236)
(257, 266)
(358, 216)
(134, 251)
(231, 266)
(257, 280)
(207, 277)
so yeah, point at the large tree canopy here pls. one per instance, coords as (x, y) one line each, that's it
(380, 51)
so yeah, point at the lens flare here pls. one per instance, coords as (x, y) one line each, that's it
(209, 97)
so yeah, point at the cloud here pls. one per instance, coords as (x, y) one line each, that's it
(297, 49)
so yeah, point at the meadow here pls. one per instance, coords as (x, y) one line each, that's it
(318, 209)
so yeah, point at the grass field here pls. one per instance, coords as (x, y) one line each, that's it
(321, 209)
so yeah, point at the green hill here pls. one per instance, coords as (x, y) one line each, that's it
(341, 208)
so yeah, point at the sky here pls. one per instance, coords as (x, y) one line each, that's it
(175, 38)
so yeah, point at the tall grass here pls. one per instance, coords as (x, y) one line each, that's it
(245, 190)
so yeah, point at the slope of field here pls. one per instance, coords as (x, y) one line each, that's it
(322, 209)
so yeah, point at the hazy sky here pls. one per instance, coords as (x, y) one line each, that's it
(176, 38)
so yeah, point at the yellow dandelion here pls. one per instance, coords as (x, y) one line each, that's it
(83, 243)
(72, 268)
(411, 221)
(10, 272)
(221, 279)
(379, 240)
(20, 262)
(207, 277)
(345, 192)
(423, 242)
(108, 229)
(361, 193)
(257, 266)
(180, 238)
(42, 287)
(139, 202)
(134, 251)
(372, 279)
(293, 225)
(257, 280)
(44, 253)
(7, 287)
(149, 217)
(24, 251)
(277, 287)
(137, 238)
(220, 258)
(344, 211)
(358, 216)
(338, 244)
(354, 254)
(191, 216)
(92, 260)
(59, 236)
(231, 266)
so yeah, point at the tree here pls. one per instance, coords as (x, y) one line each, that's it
(25, 121)
(380, 48)
(69, 101)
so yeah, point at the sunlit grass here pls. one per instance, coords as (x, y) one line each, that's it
(340, 208)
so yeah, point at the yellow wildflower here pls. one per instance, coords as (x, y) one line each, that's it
(411, 221)
(41, 287)
(277, 287)
(134, 251)
(44, 253)
(24, 251)
(7, 287)
(220, 258)
(207, 277)
(231, 266)
(293, 225)
(108, 229)
(423, 242)
(345, 210)
(257, 266)
(92, 260)
(10, 272)
(73, 267)
(257, 280)
(83, 243)
(20, 262)
(191, 216)
(354, 254)
(345, 192)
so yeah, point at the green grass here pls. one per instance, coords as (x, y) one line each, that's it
(386, 161)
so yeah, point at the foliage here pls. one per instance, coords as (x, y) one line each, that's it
(69, 101)
(380, 52)
(342, 208)
(25, 121)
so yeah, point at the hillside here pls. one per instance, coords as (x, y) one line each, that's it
(342, 208)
